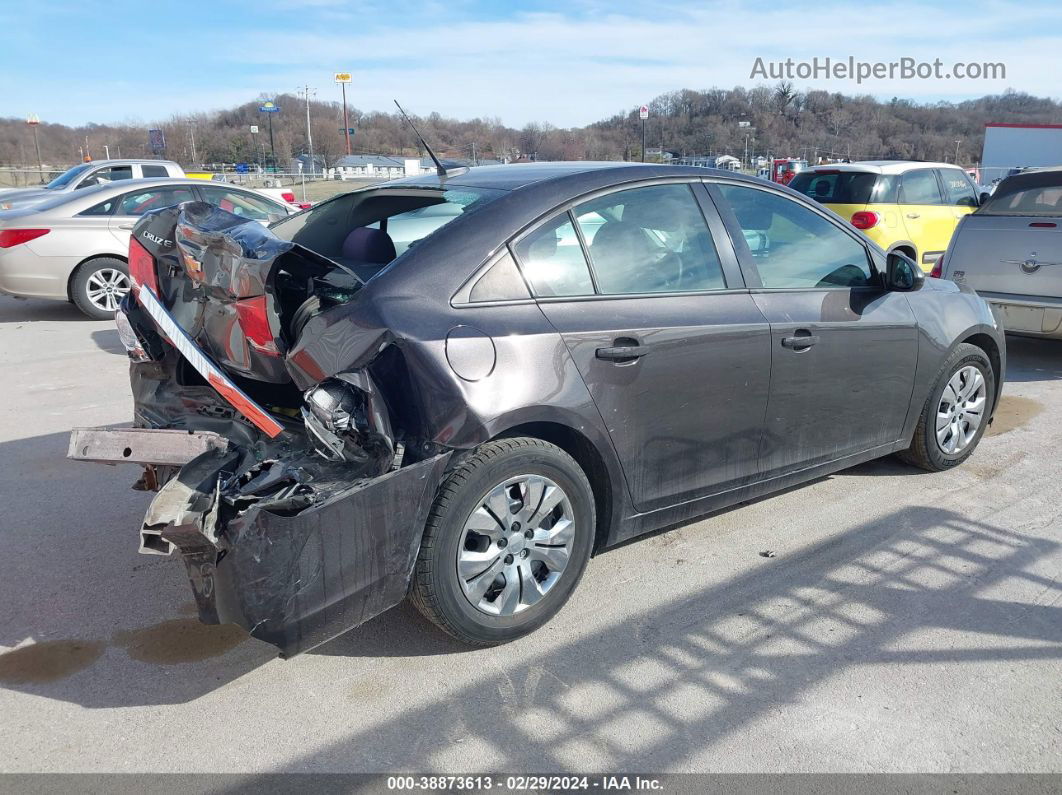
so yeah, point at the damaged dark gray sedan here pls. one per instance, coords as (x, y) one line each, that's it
(459, 387)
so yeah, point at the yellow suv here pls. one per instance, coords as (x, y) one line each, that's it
(901, 205)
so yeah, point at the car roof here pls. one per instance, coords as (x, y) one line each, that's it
(522, 175)
(125, 161)
(880, 166)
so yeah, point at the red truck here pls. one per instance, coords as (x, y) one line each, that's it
(785, 168)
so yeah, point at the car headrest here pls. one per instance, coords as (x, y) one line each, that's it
(621, 240)
(365, 244)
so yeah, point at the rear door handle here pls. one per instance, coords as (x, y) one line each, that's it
(622, 353)
(914, 215)
(126, 226)
(800, 342)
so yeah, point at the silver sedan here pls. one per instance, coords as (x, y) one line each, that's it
(75, 247)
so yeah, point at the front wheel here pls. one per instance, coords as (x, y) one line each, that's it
(99, 286)
(506, 542)
(956, 414)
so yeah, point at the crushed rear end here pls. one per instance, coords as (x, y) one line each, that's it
(295, 506)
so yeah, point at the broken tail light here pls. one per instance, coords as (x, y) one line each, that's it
(142, 268)
(253, 314)
(16, 237)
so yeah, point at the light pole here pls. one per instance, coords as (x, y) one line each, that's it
(34, 123)
(306, 91)
(343, 78)
(957, 151)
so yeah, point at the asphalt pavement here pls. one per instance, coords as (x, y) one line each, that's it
(881, 619)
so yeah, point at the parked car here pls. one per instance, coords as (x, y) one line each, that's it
(906, 206)
(75, 246)
(583, 353)
(1010, 251)
(86, 175)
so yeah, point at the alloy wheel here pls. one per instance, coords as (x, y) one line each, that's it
(106, 288)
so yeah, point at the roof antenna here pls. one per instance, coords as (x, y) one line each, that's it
(438, 163)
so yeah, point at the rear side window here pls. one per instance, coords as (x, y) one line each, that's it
(792, 245)
(155, 171)
(847, 187)
(141, 201)
(920, 187)
(103, 208)
(649, 240)
(553, 260)
(501, 282)
(958, 190)
(242, 204)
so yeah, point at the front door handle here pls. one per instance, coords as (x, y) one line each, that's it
(914, 215)
(800, 342)
(622, 353)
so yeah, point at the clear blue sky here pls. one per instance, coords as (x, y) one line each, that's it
(568, 62)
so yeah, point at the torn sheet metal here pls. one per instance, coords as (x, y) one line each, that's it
(295, 577)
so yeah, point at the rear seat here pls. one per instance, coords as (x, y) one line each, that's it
(366, 250)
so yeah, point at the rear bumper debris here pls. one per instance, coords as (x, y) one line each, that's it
(294, 576)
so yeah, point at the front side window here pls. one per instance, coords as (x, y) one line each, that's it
(107, 175)
(242, 204)
(649, 240)
(957, 188)
(553, 260)
(68, 176)
(141, 201)
(920, 187)
(793, 246)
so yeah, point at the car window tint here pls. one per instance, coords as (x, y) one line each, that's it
(920, 187)
(1042, 200)
(846, 187)
(103, 208)
(155, 171)
(106, 175)
(141, 201)
(957, 188)
(242, 204)
(794, 246)
(501, 282)
(649, 240)
(553, 260)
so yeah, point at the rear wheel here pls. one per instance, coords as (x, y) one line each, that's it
(99, 286)
(506, 541)
(956, 414)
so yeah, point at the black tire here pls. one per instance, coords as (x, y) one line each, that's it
(79, 285)
(924, 451)
(437, 590)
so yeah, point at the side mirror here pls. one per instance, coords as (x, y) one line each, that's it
(983, 198)
(274, 217)
(902, 274)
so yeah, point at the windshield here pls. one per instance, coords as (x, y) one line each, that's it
(846, 187)
(1043, 200)
(68, 176)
